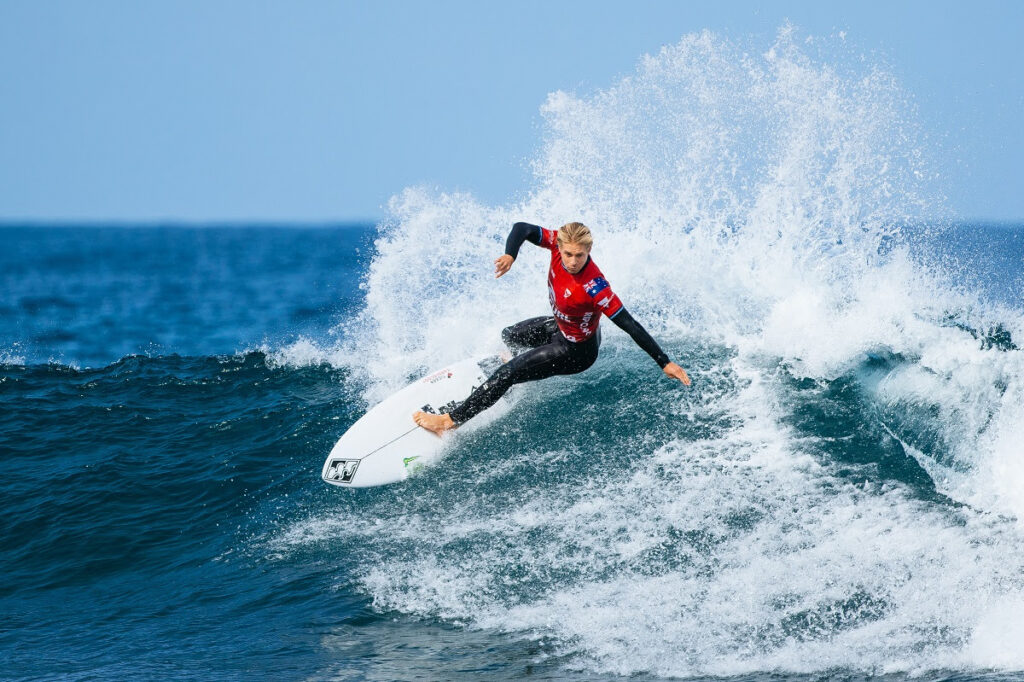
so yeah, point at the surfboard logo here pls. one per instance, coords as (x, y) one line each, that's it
(341, 470)
(438, 376)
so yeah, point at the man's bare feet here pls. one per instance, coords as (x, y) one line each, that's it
(438, 423)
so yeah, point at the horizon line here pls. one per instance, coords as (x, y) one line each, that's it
(9, 223)
(6, 223)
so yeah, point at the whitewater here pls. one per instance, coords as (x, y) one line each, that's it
(754, 211)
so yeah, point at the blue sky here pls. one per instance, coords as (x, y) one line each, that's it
(320, 111)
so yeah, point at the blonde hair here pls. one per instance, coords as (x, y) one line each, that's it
(575, 233)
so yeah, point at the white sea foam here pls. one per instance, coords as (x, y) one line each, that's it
(11, 357)
(306, 352)
(747, 199)
(775, 564)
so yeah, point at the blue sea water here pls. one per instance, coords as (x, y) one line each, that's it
(839, 495)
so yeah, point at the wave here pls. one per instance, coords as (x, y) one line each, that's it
(763, 524)
(841, 487)
(139, 457)
(765, 199)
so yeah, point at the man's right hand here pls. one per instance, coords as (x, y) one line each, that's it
(502, 264)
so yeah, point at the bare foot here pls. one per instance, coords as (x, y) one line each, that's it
(438, 423)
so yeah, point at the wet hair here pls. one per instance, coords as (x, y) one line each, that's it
(575, 233)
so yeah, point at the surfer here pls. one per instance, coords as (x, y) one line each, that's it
(566, 343)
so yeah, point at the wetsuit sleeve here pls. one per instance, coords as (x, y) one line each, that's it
(520, 233)
(624, 321)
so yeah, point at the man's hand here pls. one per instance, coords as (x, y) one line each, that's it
(502, 264)
(676, 372)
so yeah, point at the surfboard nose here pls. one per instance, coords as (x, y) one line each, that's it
(385, 445)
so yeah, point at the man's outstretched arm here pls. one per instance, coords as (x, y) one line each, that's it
(624, 321)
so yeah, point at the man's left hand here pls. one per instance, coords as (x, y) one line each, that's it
(676, 372)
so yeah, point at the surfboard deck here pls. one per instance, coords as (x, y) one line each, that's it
(385, 445)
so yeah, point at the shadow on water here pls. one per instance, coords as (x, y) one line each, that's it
(868, 437)
(848, 434)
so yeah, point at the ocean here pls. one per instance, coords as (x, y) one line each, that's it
(838, 495)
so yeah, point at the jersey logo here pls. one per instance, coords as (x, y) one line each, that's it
(605, 301)
(567, 293)
(595, 286)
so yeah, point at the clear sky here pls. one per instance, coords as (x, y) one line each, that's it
(212, 110)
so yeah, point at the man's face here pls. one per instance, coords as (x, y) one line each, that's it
(574, 256)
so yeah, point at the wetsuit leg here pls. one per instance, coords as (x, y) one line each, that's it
(530, 333)
(558, 356)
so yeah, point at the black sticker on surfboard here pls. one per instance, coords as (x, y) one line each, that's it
(341, 470)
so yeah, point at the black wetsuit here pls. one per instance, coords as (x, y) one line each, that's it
(541, 349)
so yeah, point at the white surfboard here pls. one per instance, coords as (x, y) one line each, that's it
(385, 445)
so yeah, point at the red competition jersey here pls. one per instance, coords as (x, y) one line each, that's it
(577, 300)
